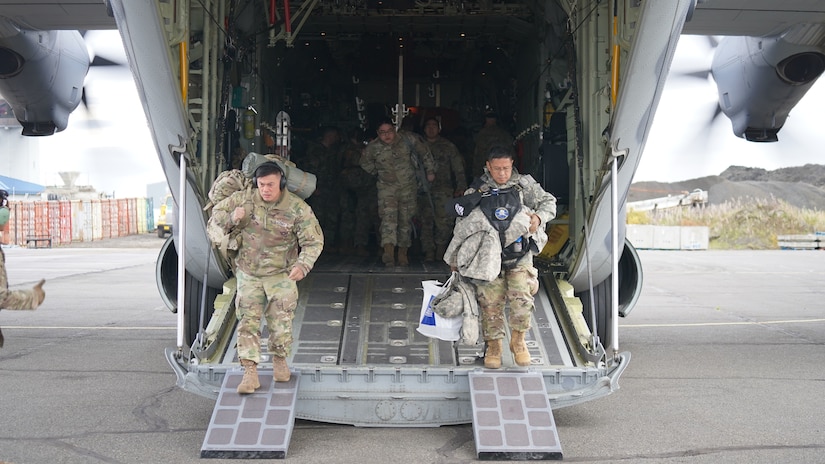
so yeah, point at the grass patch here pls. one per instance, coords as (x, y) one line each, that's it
(741, 224)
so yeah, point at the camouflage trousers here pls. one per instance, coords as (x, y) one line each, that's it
(516, 286)
(396, 207)
(13, 299)
(272, 297)
(326, 207)
(359, 216)
(436, 226)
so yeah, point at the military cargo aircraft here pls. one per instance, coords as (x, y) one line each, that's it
(577, 82)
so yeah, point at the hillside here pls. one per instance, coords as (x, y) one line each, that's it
(801, 186)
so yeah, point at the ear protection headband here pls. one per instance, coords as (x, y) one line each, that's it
(269, 167)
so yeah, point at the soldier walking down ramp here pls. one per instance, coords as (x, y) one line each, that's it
(15, 299)
(500, 230)
(390, 158)
(280, 240)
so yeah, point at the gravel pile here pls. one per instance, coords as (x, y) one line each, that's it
(803, 186)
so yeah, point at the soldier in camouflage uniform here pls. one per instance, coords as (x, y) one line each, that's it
(359, 210)
(322, 160)
(490, 134)
(15, 299)
(390, 158)
(280, 240)
(517, 280)
(436, 226)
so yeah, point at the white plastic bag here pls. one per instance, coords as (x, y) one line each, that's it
(431, 324)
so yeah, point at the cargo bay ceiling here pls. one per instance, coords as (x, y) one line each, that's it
(332, 44)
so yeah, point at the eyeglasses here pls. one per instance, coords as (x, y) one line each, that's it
(386, 132)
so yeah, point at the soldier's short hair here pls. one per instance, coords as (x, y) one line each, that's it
(501, 151)
(384, 120)
(267, 168)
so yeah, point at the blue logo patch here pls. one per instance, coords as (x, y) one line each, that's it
(502, 213)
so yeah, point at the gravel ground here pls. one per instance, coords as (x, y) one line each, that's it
(149, 240)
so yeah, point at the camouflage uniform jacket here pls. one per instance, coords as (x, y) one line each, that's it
(449, 175)
(392, 163)
(326, 165)
(275, 237)
(352, 175)
(484, 140)
(533, 195)
(475, 249)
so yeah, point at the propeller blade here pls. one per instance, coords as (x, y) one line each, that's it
(100, 61)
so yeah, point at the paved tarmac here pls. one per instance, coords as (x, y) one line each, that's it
(728, 349)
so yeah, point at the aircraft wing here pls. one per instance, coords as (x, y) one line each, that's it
(58, 15)
(771, 55)
(44, 59)
(755, 18)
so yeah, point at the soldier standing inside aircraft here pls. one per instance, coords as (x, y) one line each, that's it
(15, 299)
(514, 208)
(436, 226)
(490, 134)
(280, 241)
(322, 160)
(360, 196)
(390, 157)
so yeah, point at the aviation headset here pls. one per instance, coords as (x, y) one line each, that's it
(267, 168)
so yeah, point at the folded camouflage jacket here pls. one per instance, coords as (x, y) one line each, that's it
(475, 249)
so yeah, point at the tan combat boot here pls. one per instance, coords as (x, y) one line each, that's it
(389, 255)
(519, 348)
(280, 371)
(492, 357)
(402, 257)
(250, 381)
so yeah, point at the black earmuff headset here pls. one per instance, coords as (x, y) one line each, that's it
(275, 168)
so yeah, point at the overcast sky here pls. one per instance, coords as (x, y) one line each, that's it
(114, 152)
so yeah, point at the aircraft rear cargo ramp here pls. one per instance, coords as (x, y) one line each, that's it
(358, 359)
(362, 362)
